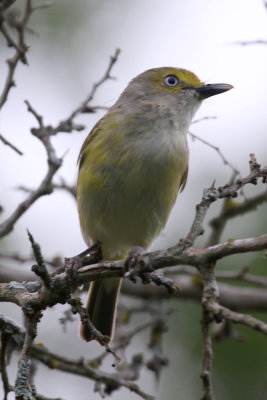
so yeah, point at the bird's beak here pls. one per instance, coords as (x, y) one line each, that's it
(206, 91)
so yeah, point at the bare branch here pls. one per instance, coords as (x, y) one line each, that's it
(44, 188)
(210, 293)
(39, 269)
(247, 320)
(83, 369)
(64, 186)
(242, 275)
(4, 342)
(6, 4)
(212, 194)
(196, 121)
(207, 358)
(67, 124)
(251, 42)
(19, 46)
(230, 210)
(231, 296)
(149, 261)
(77, 367)
(6, 142)
(80, 367)
(87, 324)
(45, 4)
(8, 273)
(37, 116)
(23, 385)
(123, 340)
(44, 133)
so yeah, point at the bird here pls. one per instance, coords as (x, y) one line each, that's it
(131, 167)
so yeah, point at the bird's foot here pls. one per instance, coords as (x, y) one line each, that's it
(89, 256)
(132, 266)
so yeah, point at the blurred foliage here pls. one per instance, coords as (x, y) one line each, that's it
(239, 366)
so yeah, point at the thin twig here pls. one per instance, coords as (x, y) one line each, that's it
(89, 327)
(76, 367)
(243, 319)
(45, 4)
(64, 186)
(81, 368)
(39, 269)
(53, 262)
(60, 186)
(6, 4)
(217, 149)
(44, 188)
(209, 196)
(44, 133)
(235, 297)
(208, 117)
(67, 124)
(4, 343)
(122, 341)
(212, 194)
(242, 275)
(6, 142)
(20, 48)
(234, 209)
(231, 208)
(251, 42)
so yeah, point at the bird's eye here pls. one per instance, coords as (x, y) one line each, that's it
(171, 80)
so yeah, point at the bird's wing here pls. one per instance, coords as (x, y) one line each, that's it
(184, 179)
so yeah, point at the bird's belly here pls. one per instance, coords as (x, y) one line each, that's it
(127, 204)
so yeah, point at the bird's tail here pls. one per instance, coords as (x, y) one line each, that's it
(101, 307)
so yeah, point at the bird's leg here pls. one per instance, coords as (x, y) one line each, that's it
(132, 258)
(90, 256)
(132, 267)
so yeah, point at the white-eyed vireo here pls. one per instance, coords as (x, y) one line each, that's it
(131, 167)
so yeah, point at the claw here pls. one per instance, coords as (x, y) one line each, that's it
(74, 263)
(132, 261)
